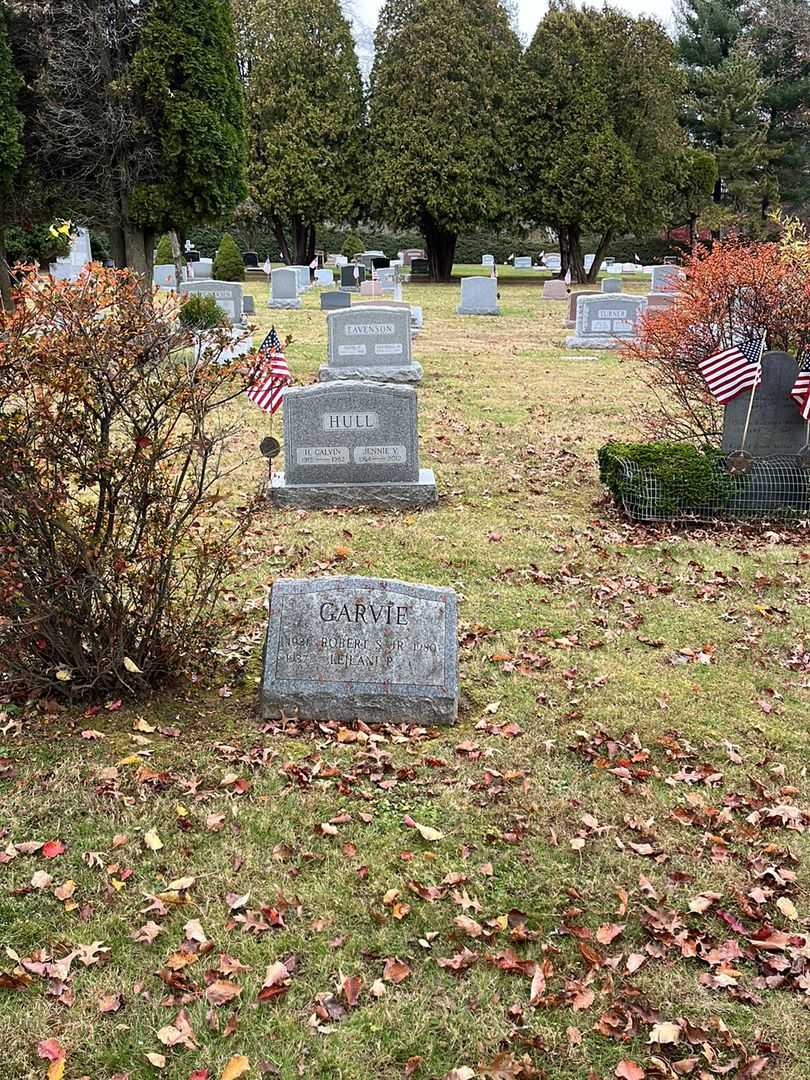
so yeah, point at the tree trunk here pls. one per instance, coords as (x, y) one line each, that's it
(6, 299)
(118, 246)
(601, 251)
(565, 253)
(301, 234)
(140, 255)
(576, 263)
(441, 249)
(310, 255)
(281, 240)
(177, 257)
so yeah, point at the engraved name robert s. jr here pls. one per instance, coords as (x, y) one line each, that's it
(371, 651)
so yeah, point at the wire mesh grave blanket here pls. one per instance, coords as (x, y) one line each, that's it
(776, 488)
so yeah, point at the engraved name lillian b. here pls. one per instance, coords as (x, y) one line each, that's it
(368, 614)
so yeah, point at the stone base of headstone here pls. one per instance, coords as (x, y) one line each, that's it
(575, 342)
(477, 311)
(388, 495)
(411, 374)
(350, 288)
(287, 304)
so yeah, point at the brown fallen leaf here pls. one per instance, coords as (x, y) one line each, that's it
(236, 1066)
(110, 1003)
(665, 1033)
(629, 1070)
(425, 831)
(396, 970)
(221, 991)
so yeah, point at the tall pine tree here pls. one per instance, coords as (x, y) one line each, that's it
(442, 120)
(726, 108)
(305, 111)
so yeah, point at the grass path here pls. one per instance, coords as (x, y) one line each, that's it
(620, 888)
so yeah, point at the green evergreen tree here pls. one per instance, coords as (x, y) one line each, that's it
(601, 153)
(186, 91)
(228, 264)
(11, 143)
(442, 118)
(781, 40)
(725, 113)
(305, 110)
(163, 251)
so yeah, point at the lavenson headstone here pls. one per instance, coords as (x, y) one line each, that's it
(370, 343)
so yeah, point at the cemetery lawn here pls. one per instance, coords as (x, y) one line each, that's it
(617, 883)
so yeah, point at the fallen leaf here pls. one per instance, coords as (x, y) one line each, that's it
(237, 1066)
(221, 991)
(50, 1050)
(629, 1070)
(396, 970)
(788, 908)
(425, 831)
(158, 1060)
(53, 848)
(152, 840)
(665, 1033)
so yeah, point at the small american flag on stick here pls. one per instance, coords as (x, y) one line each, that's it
(271, 375)
(730, 371)
(801, 389)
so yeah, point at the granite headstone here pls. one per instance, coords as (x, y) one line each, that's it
(611, 285)
(284, 288)
(555, 290)
(479, 296)
(604, 321)
(776, 426)
(571, 318)
(368, 649)
(666, 278)
(250, 260)
(324, 278)
(228, 295)
(333, 301)
(523, 262)
(370, 344)
(351, 444)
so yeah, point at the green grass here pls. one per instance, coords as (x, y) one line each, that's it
(598, 618)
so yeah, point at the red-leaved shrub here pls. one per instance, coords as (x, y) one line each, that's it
(735, 290)
(112, 443)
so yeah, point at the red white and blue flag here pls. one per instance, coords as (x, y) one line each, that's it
(728, 372)
(801, 389)
(271, 375)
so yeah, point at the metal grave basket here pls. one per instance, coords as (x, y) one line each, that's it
(775, 488)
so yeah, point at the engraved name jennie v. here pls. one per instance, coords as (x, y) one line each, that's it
(389, 614)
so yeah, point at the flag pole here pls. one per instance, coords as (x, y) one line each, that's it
(757, 380)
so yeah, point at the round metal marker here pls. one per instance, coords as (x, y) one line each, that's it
(739, 463)
(269, 447)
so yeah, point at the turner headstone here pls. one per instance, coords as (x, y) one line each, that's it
(604, 321)
(369, 649)
(351, 444)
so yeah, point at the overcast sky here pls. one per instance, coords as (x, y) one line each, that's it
(532, 10)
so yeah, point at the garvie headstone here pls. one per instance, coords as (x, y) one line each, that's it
(333, 301)
(611, 285)
(351, 444)
(284, 288)
(370, 343)
(776, 426)
(571, 319)
(228, 295)
(250, 260)
(324, 278)
(368, 649)
(666, 279)
(479, 296)
(523, 262)
(555, 290)
(604, 321)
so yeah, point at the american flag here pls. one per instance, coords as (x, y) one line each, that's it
(801, 389)
(270, 375)
(730, 371)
